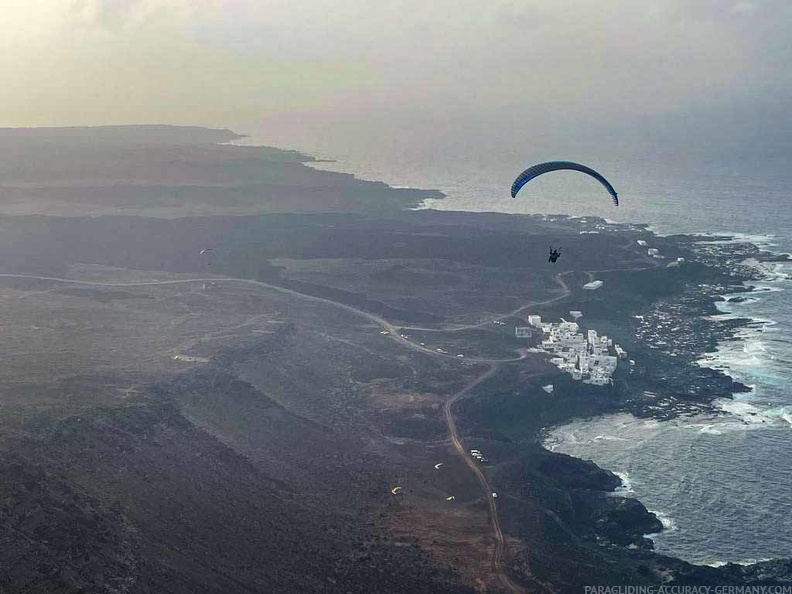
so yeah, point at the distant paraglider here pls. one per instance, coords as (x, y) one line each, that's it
(542, 168)
(207, 254)
(395, 490)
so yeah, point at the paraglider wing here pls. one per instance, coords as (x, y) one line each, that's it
(541, 168)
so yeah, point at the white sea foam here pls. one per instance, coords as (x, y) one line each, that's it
(668, 523)
(746, 415)
(763, 288)
(625, 489)
(780, 414)
(740, 409)
(571, 434)
(746, 354)
(708, 428)
(745, 562)
(749, 351)
(762, 241)
(770, 271)
(745, 301)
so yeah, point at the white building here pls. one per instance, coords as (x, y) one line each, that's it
(576, 314)
(535, 321)
(568, 326)
(587, 358)
(593, 285)
(597, 380)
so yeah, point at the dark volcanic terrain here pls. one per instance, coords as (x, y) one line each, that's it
(270, 415)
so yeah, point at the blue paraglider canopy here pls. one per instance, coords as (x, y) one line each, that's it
(542, 168)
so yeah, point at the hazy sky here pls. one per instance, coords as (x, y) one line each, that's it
(229, 62)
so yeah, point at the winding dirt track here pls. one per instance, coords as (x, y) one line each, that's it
(500, 543)
(393, 333)
(492, 366)
(393, 330)
(516, 312)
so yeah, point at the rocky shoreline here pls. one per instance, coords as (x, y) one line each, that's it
(666, 331)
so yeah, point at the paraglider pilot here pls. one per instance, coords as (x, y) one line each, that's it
(554, 255)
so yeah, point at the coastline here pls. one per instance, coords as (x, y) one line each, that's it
(727, 331)
(738, 411)
(723, 329)
(287, 350)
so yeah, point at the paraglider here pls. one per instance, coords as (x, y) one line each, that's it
(438, 465)
(542, 168)
(554, 255)
(395, 490)
(208, 256)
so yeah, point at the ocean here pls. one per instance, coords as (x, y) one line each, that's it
(721, 485)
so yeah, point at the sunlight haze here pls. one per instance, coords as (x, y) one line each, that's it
(91, 62)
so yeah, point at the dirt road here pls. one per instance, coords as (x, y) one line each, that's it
(500, 543)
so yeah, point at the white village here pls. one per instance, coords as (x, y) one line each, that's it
(585, 357)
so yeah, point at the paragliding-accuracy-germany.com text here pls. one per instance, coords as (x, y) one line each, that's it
(687, 589)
